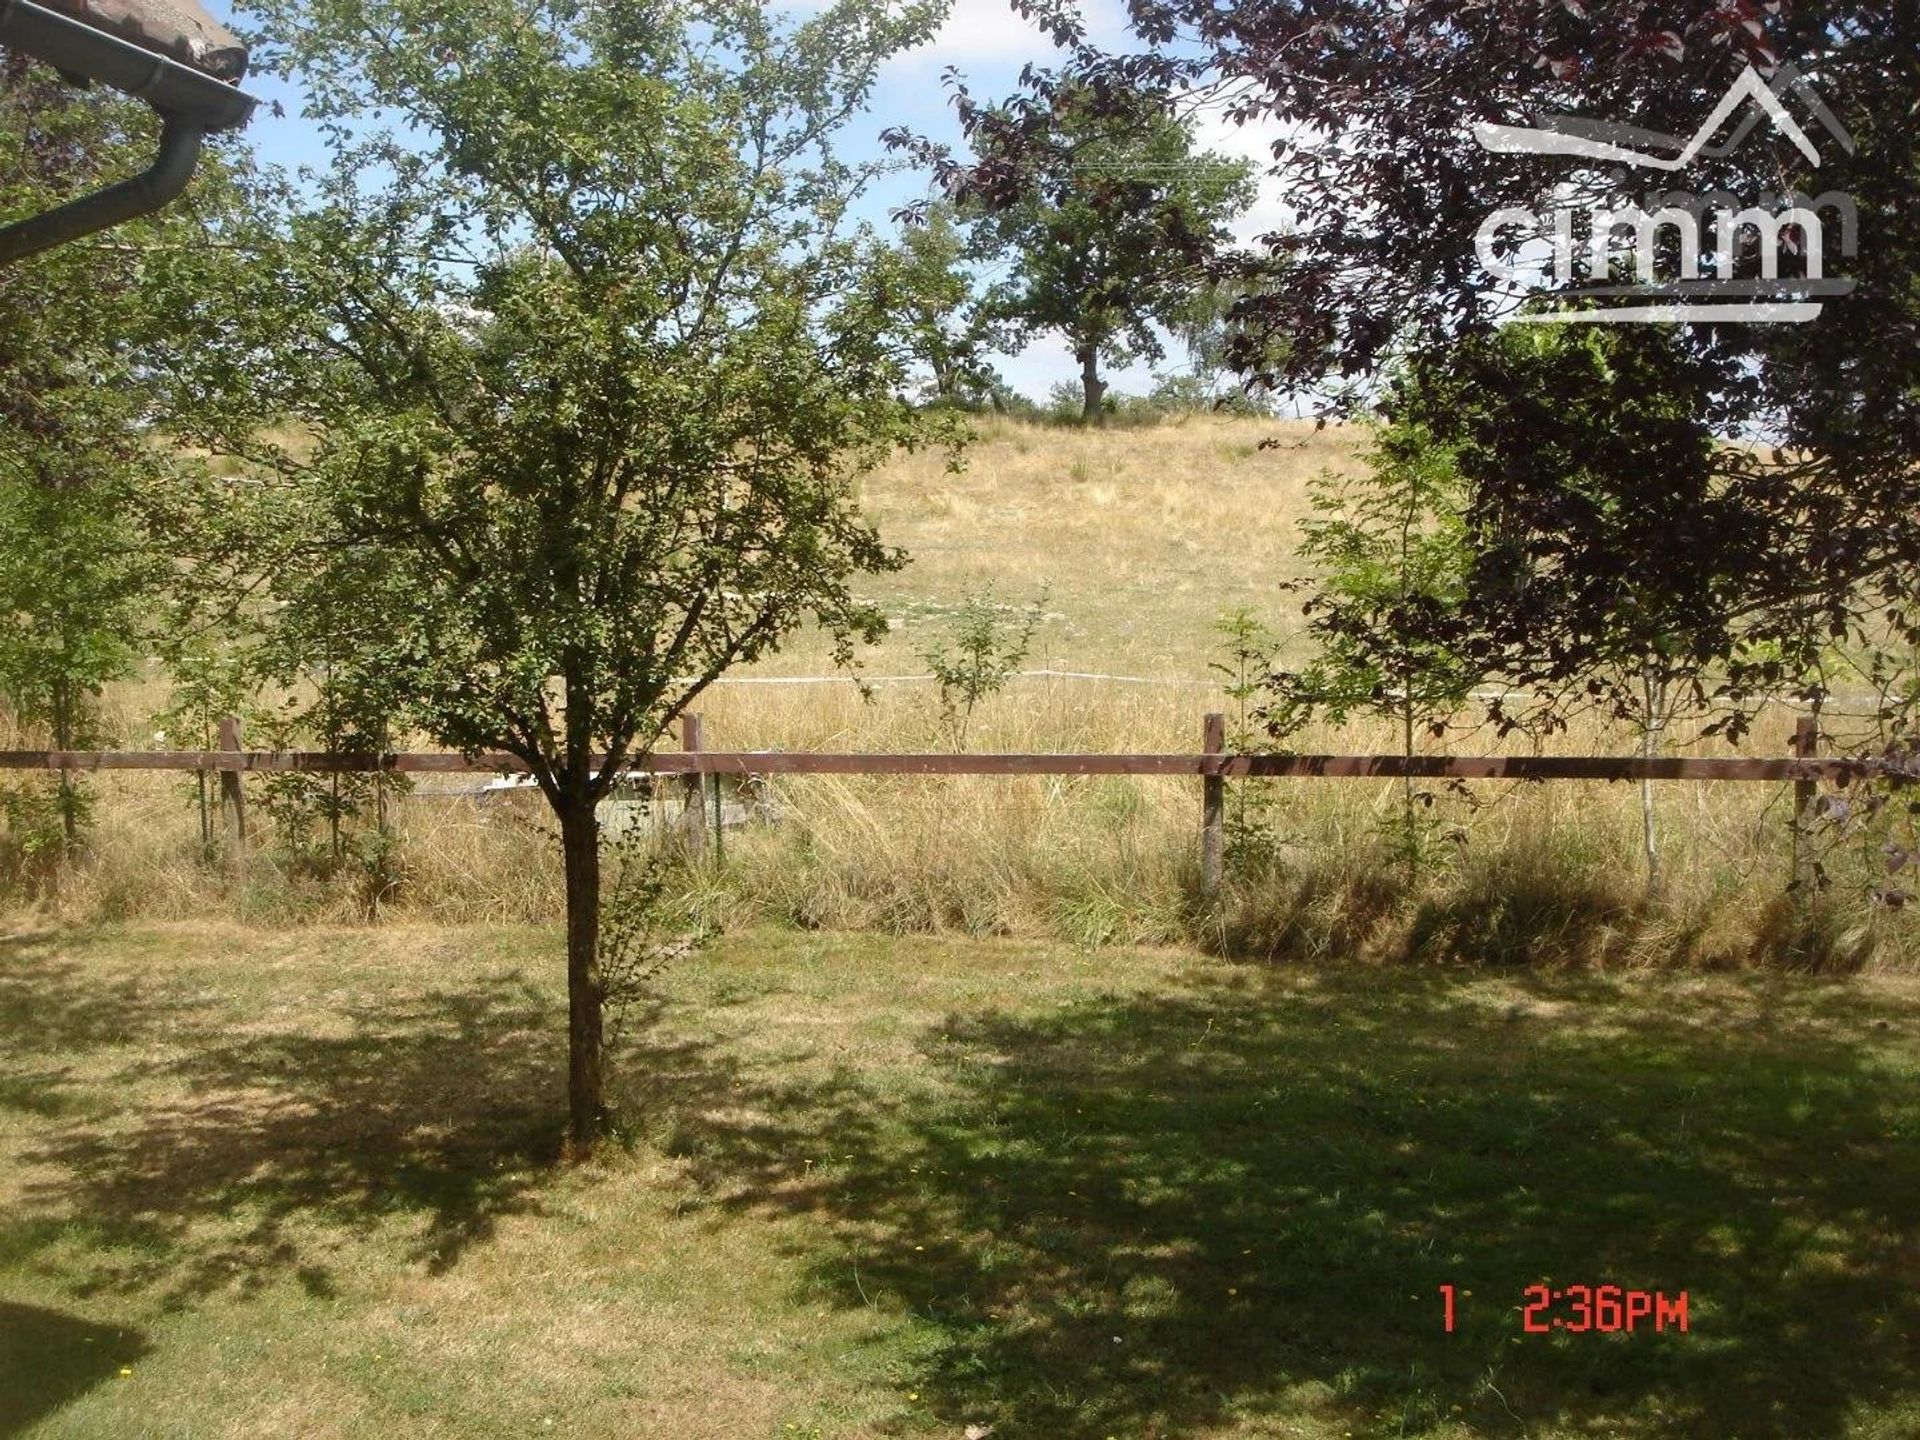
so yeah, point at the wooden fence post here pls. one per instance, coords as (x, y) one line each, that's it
(1806, 743)
(694, 813)
(233, 798)
(1213, 808)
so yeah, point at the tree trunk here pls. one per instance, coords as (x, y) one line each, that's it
(586, 1075)
(1407, 799)
(206, 812)
(1093, 410)
(67, 797)
(1653, 693)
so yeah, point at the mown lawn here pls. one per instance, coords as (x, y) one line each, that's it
(301, 1183)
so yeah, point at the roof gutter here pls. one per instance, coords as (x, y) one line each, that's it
(191, 105)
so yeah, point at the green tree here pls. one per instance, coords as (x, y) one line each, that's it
(80, 574)
(1389, 546)
(1246, 655)
(211, 680)
(1590, 583)
(946, 328)
(982, 646)
(1109, 228)
(71, 581)
(573, 371)
(1542, 557)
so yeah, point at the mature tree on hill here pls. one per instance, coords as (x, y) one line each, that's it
(947, 328)
(1109, 230)
(584, 359)
(1205, 331)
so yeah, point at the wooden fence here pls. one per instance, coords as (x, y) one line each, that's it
(1212, 765)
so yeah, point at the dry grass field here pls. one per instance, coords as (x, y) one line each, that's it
(1142, 536)
(1141, 539)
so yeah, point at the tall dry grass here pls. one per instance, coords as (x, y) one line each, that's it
(1142, 539)
(1525, 874)
(1532, 874)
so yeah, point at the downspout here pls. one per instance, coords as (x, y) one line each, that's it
(128, 200)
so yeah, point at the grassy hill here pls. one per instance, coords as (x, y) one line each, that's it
(1141, 536)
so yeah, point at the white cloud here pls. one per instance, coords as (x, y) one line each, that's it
(985, 30)
(989, 32)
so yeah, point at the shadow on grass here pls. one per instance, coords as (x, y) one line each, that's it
(1525, 908)
(48, 1360)
(50, 1006)
(434, 1110)
(1133, 1214)
(1151, 1215)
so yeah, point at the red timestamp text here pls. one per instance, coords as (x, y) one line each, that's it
(1601, 1309)
(1589, 1309)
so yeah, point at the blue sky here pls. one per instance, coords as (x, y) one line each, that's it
(984, 39)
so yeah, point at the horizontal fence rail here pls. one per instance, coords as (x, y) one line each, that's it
(793, 762)
(1213, 767)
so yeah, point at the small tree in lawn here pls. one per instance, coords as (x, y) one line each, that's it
(210, 682)
(1109, 227)
(983, 646)
(71, 578)
(1246, 653)
(1390, 548)
(582, 366)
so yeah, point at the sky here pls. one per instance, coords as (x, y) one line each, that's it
(985, 41)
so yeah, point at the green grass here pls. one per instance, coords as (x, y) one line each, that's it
(303, 1183)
